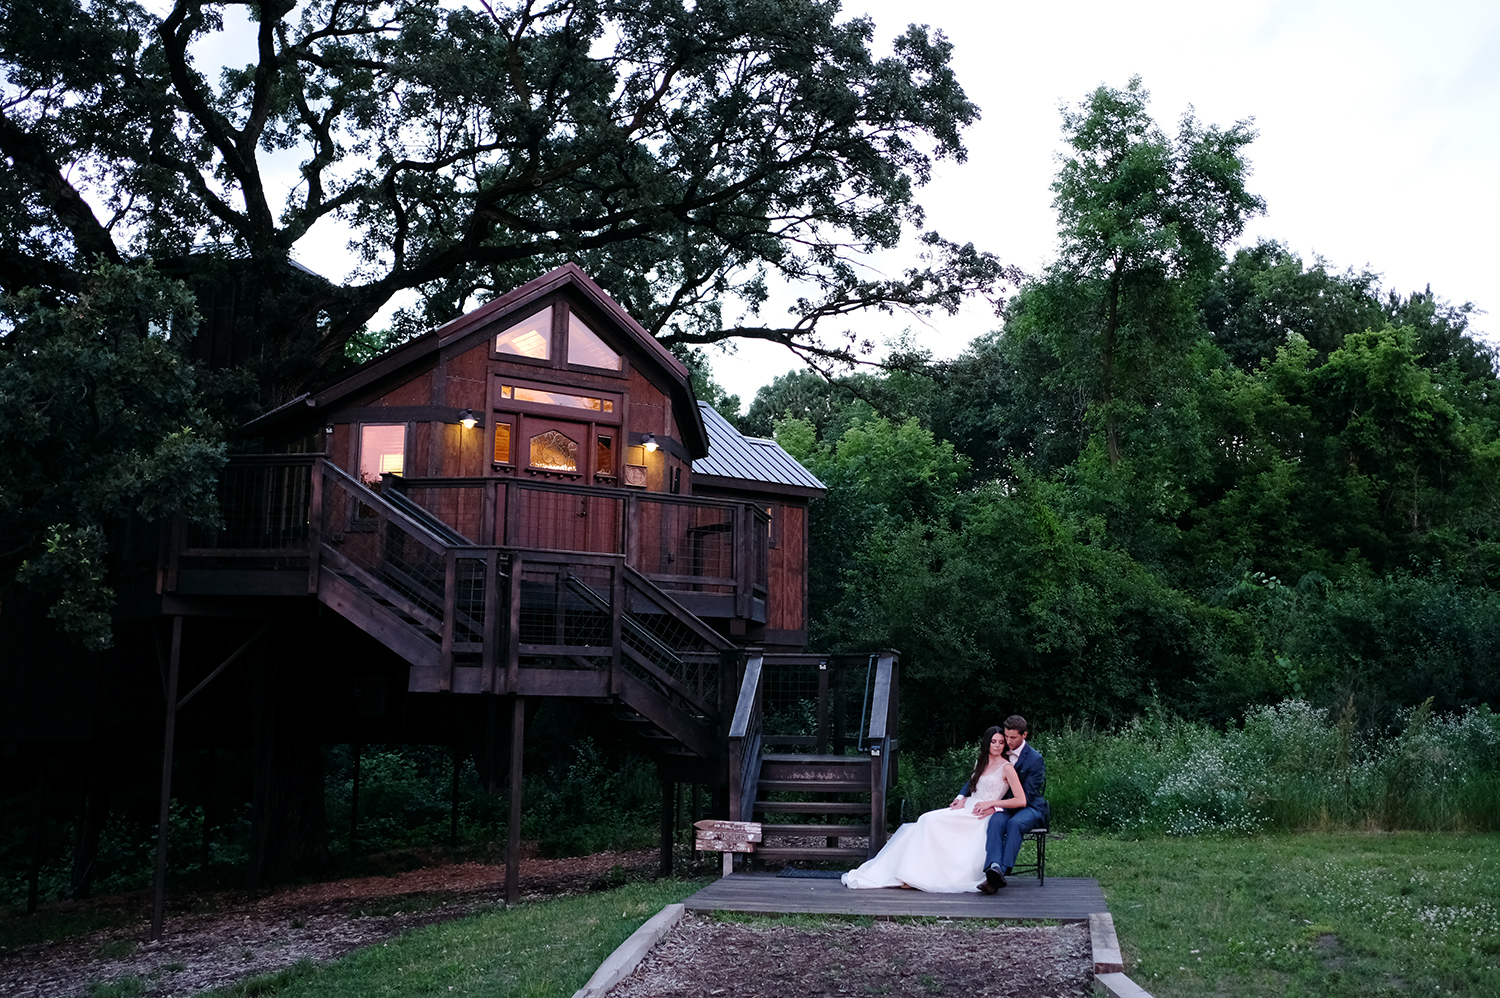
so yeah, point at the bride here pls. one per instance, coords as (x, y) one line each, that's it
(943, 851)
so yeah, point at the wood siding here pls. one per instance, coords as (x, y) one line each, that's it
(786, 599)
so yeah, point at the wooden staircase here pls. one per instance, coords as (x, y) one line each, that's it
(491, 619)
(814, 806)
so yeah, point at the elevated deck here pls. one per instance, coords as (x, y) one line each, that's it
(1063, 899)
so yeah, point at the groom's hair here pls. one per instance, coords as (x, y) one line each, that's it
(1016, 722)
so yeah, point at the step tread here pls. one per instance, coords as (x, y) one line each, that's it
(862, 760)
(805, 852)
(814, 786)
(841, 831)
(811, 807)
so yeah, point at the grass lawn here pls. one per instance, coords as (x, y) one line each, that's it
(1300, 915)
(539, 949)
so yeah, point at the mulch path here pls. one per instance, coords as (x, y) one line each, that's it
(219, 939)
(704, 956)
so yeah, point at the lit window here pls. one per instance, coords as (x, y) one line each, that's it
(502, 443)
(382, 449)
(587, 349)
(554, 451)
(557, 398)
(531, 337)
(604, 456)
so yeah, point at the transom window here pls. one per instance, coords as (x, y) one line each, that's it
(522, 394)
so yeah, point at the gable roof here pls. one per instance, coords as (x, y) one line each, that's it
(426, 346)
(754, 463)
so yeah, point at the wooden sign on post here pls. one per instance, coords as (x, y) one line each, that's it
(727, 837)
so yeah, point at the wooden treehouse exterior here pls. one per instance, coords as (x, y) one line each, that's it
(528, 502)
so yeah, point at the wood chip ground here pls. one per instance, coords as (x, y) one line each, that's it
(706, 956)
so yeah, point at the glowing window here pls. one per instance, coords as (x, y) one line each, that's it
(604, 455)
(556, 398)
(587, 349)
(382, 449)
(531, 337)
(502, 443)
(554, 451)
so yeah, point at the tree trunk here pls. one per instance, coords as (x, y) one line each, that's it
(289, 829)
(1106, 393)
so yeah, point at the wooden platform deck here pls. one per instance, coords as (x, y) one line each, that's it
(1065, 899)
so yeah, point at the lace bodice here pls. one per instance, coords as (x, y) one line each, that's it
(991, 786)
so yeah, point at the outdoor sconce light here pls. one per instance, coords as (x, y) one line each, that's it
(328, 429)
(648, 441)
(467, 419)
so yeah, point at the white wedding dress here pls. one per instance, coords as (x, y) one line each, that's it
(942, 851)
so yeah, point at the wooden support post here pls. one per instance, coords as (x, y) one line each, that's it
(354, 803)
(314, 526)
(513, 829)
(36, 834)
(668, 823)
(822, 706)
(159, 894)
(453, 801)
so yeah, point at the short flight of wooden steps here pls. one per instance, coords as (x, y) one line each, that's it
(808, 774)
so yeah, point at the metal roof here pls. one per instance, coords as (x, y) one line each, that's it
(750, 459)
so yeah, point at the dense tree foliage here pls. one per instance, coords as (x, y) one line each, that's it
(1284, 482)
(101, 417)
(687, 155)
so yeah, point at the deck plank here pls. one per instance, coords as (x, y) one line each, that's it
(1065, 899)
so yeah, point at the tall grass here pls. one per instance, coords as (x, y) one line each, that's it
(1289, 767)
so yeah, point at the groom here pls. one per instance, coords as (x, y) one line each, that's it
(1009, 825)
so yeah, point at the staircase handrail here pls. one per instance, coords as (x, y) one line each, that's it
(707, 634)
(745, 743)
(375, 500)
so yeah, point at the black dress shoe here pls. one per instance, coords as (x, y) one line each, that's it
(984, 886)
(993, 879)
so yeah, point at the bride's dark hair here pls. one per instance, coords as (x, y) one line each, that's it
(984, 756)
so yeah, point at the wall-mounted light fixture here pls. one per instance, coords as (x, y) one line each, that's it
(467, 419)
(648, 441)
(328, 429)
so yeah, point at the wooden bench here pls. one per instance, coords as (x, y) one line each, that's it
(1037, 835)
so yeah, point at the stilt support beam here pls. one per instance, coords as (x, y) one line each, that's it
(513, 825)
(159, 894)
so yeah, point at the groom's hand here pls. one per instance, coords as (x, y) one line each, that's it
(957, 802)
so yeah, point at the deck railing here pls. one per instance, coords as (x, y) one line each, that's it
(711, 553)
(683, 544)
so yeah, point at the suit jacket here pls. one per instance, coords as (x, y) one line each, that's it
(1032, 771)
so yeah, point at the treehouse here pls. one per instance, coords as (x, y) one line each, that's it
(528, 503)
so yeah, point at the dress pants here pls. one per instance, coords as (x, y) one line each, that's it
(1007, 828)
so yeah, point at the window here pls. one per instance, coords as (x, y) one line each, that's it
(604, 454)
(502, 442)
(554, 451)
(586, 349)
(531, 337)
(556, 398)
(382, 449)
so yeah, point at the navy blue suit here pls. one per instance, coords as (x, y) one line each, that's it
(1008, 826)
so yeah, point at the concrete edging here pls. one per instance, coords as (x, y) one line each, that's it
(1109, 965)
(628, 956)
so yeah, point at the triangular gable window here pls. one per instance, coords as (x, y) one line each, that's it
(531, 337)
(587, 349)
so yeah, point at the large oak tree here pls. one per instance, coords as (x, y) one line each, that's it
(689, 155)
